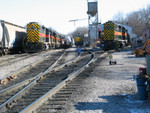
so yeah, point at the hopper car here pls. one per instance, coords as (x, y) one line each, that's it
(11, 37)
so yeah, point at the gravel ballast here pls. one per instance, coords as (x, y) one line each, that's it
(110, 88)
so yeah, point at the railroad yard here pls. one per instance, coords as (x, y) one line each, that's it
(69, 82)
(110, 88)
(76, 56)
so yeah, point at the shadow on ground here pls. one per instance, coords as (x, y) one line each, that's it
(114, 104)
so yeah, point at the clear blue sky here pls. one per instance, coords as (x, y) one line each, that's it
(57, 13)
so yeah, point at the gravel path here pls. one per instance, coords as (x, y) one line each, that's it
(6, 70)
(10, 69)
(110, 88)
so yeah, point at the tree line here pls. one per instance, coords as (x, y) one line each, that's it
(138, 20)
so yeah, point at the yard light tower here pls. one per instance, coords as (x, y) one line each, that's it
(93, 20)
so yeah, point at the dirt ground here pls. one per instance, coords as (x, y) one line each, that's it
(110, 88)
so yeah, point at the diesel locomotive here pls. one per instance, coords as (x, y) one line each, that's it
(40, 38)
(33, 38)
(78, 40)
(115, 36)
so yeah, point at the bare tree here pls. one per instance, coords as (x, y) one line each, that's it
(138, 20)
(145, 13)
(80, 30)
(135, 20)
(119, 18)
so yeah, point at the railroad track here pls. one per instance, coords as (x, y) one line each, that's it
(12, 87)
(58, 103)
(11, 75)
(41, 82)
(10, 59)
(9, 92)
(44, 86)
(28, 71)
(32, 70)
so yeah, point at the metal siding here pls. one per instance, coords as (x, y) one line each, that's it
(128, 28)
(12, 35)
(92, 8)
(1, 33)
(42, 32)
(47, 35)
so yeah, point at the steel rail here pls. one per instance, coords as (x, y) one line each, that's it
(24, 83)
(32, 107)
(12, 75)
(14, 87)
(13, 99)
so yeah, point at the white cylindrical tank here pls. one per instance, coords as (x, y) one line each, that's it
(1, 33)
(11, 36)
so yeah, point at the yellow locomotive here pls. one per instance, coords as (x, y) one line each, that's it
(78, 40)
(40, 38)
(115, 36)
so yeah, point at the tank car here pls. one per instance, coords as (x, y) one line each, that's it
(115, 36)
(40, 38)
(66, 42)
(11, 37)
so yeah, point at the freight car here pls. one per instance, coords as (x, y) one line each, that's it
(115, 36)
(67, 42)
(11, 37)
(40, 38)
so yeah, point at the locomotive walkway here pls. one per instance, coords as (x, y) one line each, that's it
(110, 88)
